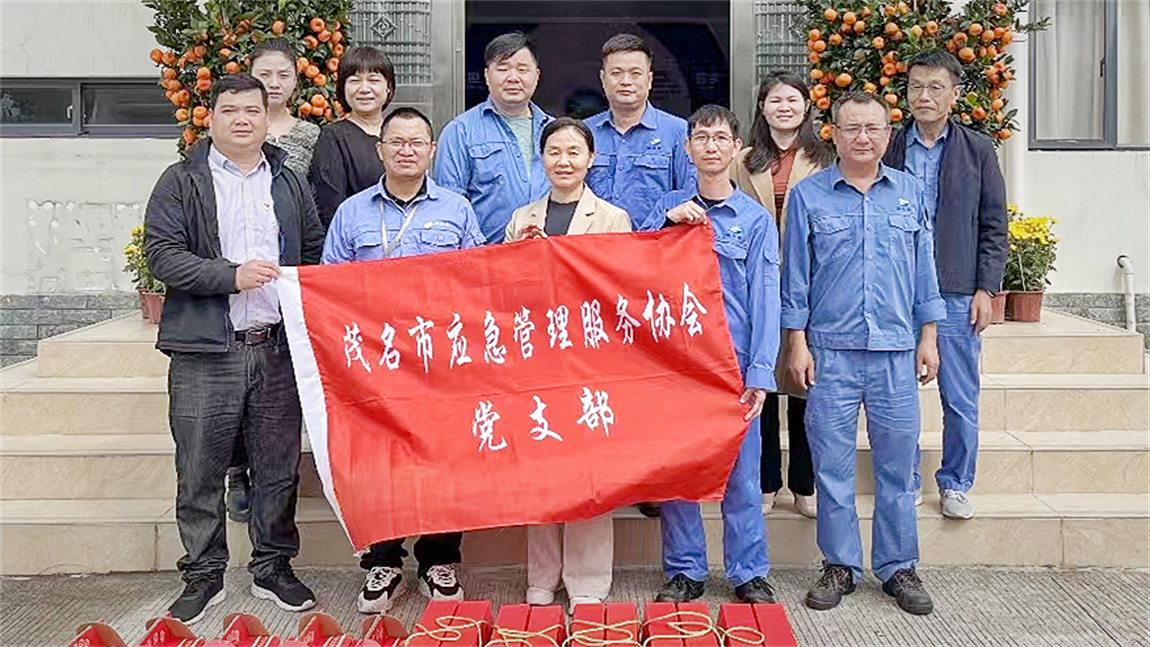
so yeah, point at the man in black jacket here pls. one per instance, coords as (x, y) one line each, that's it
(217, 229)
(966, 196)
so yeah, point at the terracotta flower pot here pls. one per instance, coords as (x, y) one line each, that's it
(151, 305)
(998, 308)
(1024, 306)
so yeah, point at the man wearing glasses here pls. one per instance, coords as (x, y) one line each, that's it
(859, 286)
(965, 198)
(405, 214)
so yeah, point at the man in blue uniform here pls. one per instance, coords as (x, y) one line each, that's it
(860, 286)
(639, 149)
(745, 243)
(405, 214)
(490, 154)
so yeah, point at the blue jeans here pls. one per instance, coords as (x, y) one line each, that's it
(883, 381)
(958, 349)
(744, 531)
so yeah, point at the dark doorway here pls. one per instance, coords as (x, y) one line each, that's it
(690, 40)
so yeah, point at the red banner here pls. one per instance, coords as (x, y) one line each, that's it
(535, 382)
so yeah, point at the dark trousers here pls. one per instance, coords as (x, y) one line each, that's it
(239, 459)
(247, 392)
(800, 472)
(430, 550)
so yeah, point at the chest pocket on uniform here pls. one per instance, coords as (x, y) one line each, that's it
(832, 236)
(488, 163)
(652, 172)
(365, 240)
(902, 233)
(437, 240)
(733, 255)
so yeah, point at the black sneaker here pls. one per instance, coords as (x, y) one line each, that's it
(239, 497)
(650, 510)
(440, 582)
(755, 591)
(907, 590)
(380, 588)
(285, 589)
(835, 582)
(198, 595)
(680, 589)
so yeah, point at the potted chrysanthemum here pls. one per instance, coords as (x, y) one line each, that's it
(150, 289)
(1029, 262)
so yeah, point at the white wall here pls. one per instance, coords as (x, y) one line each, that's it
(67, 207)
(85, 38)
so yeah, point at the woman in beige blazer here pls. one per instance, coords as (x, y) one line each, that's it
(784, 150)
(577, 555)
(570, 208)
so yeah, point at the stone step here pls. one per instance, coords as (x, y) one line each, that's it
(121, 347)
(51, 536)
(1061, 343)
(142, 466)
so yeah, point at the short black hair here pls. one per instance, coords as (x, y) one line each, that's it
(710, 115)
(567, 122)
(505, 46)
(274, 46)
(625, 43)
(238, 83)
(861, 98)
(938, 58)
(406, 113)
(361, 60)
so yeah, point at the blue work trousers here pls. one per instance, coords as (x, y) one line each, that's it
(744, 531)
(958, 350)
(883, 381)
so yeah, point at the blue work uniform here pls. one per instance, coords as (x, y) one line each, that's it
(959, 345)
(440, 221)
(634, 170)
(479, 158)
(746, 243)
(861, 280)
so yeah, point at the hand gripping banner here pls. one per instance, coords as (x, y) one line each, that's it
(536, 382)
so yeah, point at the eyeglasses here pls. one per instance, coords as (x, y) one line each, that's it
(417, 145)
(702, 139)
(870, 130)
(935, 89)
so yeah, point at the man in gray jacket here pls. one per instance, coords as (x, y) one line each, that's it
(217, 229)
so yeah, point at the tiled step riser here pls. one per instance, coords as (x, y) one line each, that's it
(100, 359)
(95, 412)
(1021, 541)
(1019, 471)
(1066, 355)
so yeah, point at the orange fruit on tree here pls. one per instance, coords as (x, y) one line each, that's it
(169, 73)
(979, 113)
(975, 28)
(890, 69)
(816, 73)
(950, 46)
(846, 29)
(278, 27)
(157, 55)
(1007, 36)
(891, 98)
(310, 42)
(1000, 116)
(903, 8)
(982, 52)
(181, 114)
(931, 28)
(1007, 75)
(301, 64)
(890, 10)
(987, 36)
(197, 122)
(200, 51)
(324, 36)
(327, 114)
(337, 50)
(878, 42)
(884, 81)
(869, 87)
(813, 57)
(835, 39)
(997, 104)
(819, 45)
(992, 51)
(318, 100)
(891, 28)
(843, 80)
(199, 112)
(966, 55)
(332, 64)
(960, 37)
(900, 67)
(225, 52)
(895, 114)
(203, 73)
(317, 24)
(304, 109)
(319, 80)
(814, 35)
(189, 136)
(826, 131)
(916, 31)
(232, 67)
(1003, 134)
(830, 14)
(824, 103)
(865, 12)
(849, 17)
(999, 9)
(312, 71)
(203, 85)
(819, 91)
(859, 27)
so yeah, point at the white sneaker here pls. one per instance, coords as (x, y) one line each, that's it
(955, 505)
(539, 596)
(582, 599)
(769, 501)
(917, 497)
(440, 582)
(806, 505)
(380, 588)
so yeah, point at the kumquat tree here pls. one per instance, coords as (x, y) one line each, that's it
(867, 45)
(199, 44)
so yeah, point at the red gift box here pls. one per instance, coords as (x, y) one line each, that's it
(246, 630)
(523, 625)
(321, 630)
(686, 624)
(169, 632)
(755, 625)
(384, 631)
(96, 634)
(446, 623)
(613, 622)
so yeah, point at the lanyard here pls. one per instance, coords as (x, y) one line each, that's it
(388, 248)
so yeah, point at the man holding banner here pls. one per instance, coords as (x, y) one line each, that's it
(418, 217)
(748, 254)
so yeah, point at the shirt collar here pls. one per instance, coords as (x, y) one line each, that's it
(650, 120)
(429, 189)
(218, 159)
(489, 106)
(836, 174)
(698, 198)
(915, 137)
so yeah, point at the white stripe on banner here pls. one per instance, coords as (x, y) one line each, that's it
(307, 380)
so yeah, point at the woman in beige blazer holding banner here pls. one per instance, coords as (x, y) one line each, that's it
(784, 150)
(578, 554)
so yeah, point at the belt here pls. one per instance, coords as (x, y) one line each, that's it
(254, 336)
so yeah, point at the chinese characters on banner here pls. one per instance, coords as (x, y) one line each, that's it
(542, 381)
